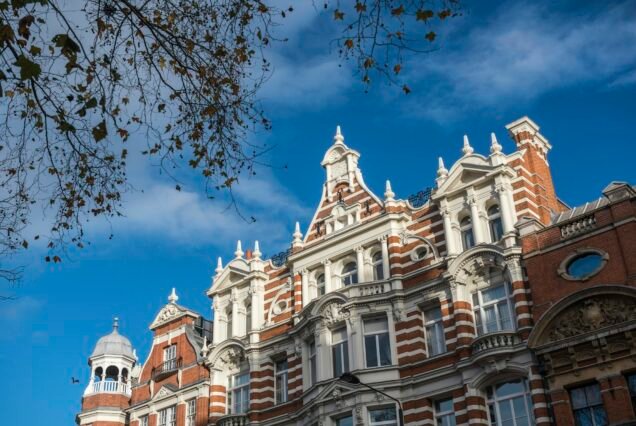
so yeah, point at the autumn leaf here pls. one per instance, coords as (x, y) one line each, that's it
(28, 68)
(424, 15)
(361, 7)
(99, 131)
(430, 36)
(397, 68)
(398, 10)
(349, 43)
(406, 89)
(338, 15)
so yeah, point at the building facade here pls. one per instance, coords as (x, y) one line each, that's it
(463, 304)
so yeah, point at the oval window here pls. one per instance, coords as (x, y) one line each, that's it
(583, 264)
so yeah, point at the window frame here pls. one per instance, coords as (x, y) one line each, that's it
(589, 407)
(479, 309)
(313, 362)
(376, 335)
(164, 419)
(170, 356)
(143, 420)
(385, 422)
(495, 224)
(438, 326)
(343, 347)
(321, 284)
(232, 390)
(466, 230)
(281, 391)
(191, 412)
(349, 277)
(377, 265)
(439, 414)
(496, 401)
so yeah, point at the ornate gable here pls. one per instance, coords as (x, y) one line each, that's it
(171, 312)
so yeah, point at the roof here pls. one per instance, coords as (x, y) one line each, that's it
(580, 210)
(113, 344)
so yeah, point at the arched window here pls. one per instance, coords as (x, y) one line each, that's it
(228, 323)
(248, 317)
(124, 375)
(350, 274)
(378, 268)
(493, 308)
(320, 282)
(494, 223)
(112, 374)
(466, 229)
(510, 403)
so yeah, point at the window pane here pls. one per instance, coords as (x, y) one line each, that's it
(382, 416)
(491, 319)
(385, 349)
(345, 421)
(339, 335)
(509, 388)
(494, 293)
(631, 382)
(577, 396)
(371, 351)
(504, 315)
(375, 325)
(444, 405)
(593, 395)
(600, 416)
(583, 418)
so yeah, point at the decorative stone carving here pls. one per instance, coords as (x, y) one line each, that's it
(590, 315)
(359, 419)
(163, 392)
(333, 313)
(337, 397)
(232, 357)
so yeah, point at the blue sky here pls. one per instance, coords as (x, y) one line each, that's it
(570, 67)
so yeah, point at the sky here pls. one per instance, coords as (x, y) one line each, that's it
(570, 66)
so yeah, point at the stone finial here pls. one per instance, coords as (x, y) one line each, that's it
(239, 251)
(173, 296)
(441, 170)
(467, 149)
(338, 138)
(495, 147)
(219, 266)
(257, 250)
(389, 195)
(115, 324)
(298, 236)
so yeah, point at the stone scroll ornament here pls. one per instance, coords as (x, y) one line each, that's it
(334, 313)
(591, 314)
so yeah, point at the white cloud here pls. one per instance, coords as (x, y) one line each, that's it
(13, 311)
(523, 52)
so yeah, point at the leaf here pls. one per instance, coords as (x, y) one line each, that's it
(35, 51)
(361, 7)
(430, 36)
(397, 68)
(99, 131)
(423, 15)
(28, 68)
(398, 10)
(406, 89)
(338, 15)
(178, 187)
(25, 244)
(349, 43)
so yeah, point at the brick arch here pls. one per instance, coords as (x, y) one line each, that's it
(555, 312)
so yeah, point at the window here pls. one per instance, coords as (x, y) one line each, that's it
(167, 416)
(320, 281)
(585, 265)
(248, 318)
(340, 351)
(383, 416)
(378, 267)
(228, 323)
(420, 253)
(434, 328)
(350, 274)
(143, 421)
(493, 309)
(587, 406)
(444, 413)
(281, 381)
(170, 357)
(631, 384)
(509, 404)
(377, 346)
(191, 412)
(466, 229)
(238, 393)
(313, 373)
(344, 421)
(494, 223)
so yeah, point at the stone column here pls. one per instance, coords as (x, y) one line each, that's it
(478, 231)
(386, 266)
(451, 250)
(305, 286)
(236, 330)
(327, 264)
(323, 353)
(505, 209)
(360, 263)
(216, 337)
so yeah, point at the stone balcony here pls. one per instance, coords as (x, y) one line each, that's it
(493, 343)
(233, 420)
(373, 288)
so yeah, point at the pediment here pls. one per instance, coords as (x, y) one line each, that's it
(337, 391)
(169, 313)
(234, 272)
(164, 392)
(465, 173)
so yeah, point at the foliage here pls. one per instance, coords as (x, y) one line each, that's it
(76, 83)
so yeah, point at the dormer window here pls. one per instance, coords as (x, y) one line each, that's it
(378, 267)
(494, 223)
(350, 274)
(466, 230)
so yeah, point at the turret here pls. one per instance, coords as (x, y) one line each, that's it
(109, 387)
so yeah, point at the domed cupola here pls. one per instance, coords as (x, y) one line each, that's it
(111, 363)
